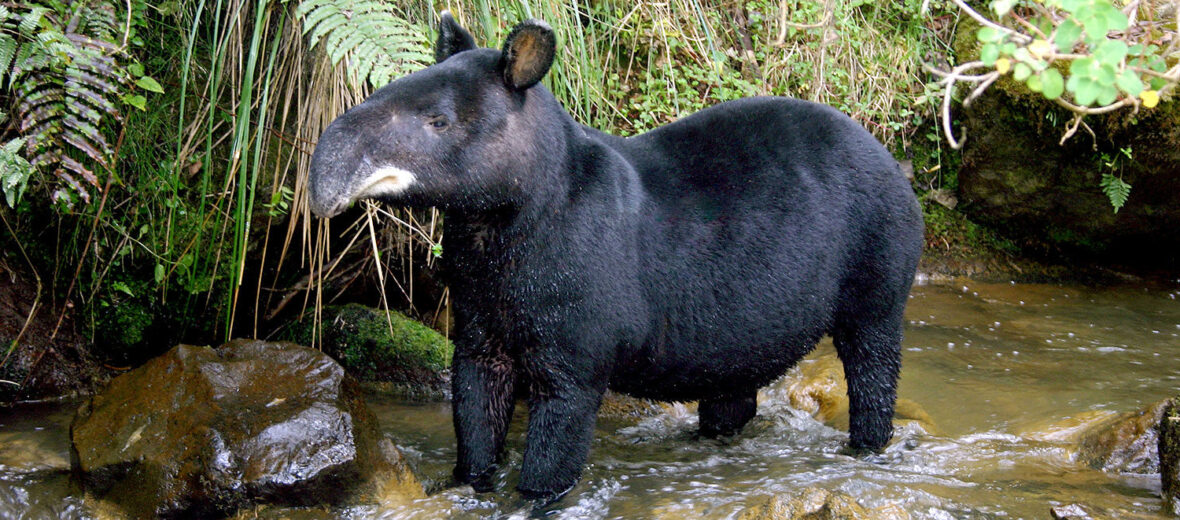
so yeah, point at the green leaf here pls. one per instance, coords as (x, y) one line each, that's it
(1107, 94)
(1001, 7)
(159, 273)
(1021, 71)
(1067, 35)
(136, 69)
(1081, 66)
(1110, 52)
(136, 101)
(1115, 19)
(1117, 190)
(1034, 83)
(1095, 26)
(149, 84)
(1086, 91)
(1052, 84)
(123, 288)
(1104, 74)
(989, 54)
(988, 35)
(1130, 83)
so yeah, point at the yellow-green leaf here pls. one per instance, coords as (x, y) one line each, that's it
(149, 84)
(1150, 98)
(1002, 65)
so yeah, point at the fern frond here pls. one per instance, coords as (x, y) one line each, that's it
(1116, 189)
(375, 43)
(7, 51)
(29, 22)
(14, 170)
(67, 80)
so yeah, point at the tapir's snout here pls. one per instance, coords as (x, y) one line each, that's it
(342, 173)
(333, 172)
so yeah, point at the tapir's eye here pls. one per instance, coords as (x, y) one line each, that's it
(438, 122)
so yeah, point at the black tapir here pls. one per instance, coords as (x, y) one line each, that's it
(698, 261)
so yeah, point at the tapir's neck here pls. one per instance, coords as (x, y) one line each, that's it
(580, 174)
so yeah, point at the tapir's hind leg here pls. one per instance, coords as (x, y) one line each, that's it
(872, 361)
(867, 335)
(726, 415)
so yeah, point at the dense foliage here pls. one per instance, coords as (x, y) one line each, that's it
(153, 157)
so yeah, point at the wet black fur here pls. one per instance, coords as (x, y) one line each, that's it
(700, 260)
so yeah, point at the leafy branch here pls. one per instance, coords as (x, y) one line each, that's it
(1087, 56)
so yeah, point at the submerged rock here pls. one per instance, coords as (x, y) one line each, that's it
(1070, 512)
(818, 504)
(1169, 456)
(622, 406)
(1124, 443)
(379, 347)
(203, 431)
(819, 388)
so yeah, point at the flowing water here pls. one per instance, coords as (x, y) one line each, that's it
(1003, 370)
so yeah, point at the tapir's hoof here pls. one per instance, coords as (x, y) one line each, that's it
(541, 499)
(481, 482)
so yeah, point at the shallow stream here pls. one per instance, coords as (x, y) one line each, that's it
(1002, 370)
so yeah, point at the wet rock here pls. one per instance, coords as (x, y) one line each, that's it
(819, 388)
(622, 406)
(1071, 429)
(1070, 512)
(406, 357)
(204, 431)
(1169, 456)
(1124, 443)
(818, 504)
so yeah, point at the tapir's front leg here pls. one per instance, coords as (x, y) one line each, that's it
(564, 396)
(483, 382)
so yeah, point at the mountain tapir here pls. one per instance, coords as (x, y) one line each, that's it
(697, 261)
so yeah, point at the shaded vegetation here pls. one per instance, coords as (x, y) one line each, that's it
(196, 120)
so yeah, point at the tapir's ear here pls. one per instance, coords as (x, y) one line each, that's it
(452, 39)
(528, 53)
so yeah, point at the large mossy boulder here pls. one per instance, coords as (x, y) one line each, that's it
(376, 346)
(200, 432)
(1016, 178)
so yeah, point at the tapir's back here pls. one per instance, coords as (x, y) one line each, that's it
(758, 143)
(759, 209)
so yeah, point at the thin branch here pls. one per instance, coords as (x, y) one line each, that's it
(983, 85)
(1089, 111)
(946, 117)
(1018, 37)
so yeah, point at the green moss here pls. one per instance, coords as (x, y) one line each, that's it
(379, 347)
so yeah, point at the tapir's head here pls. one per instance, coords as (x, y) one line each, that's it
(464, 132)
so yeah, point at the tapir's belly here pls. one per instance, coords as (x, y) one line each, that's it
(689, 371)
